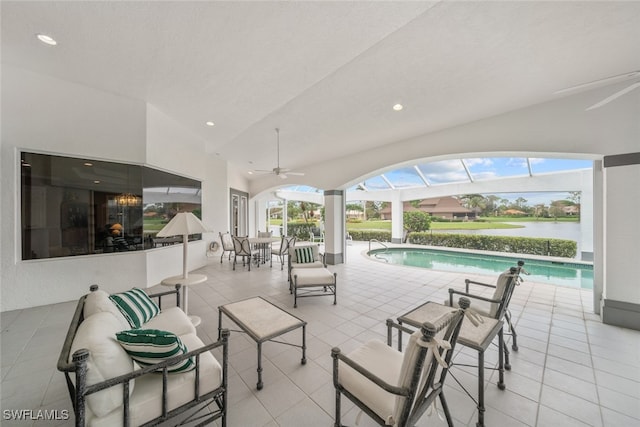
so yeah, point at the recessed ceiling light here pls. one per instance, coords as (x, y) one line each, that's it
(97, 181)
(210, 123)
(88, 164)
(46, 39)
(398, 107)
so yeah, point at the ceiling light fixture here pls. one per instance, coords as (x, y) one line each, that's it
(210, 123)
(46, 39)
(398, 107)
(88, 164)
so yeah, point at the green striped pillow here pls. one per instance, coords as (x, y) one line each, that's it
(151, 346)
(136, 306)
(304, 255)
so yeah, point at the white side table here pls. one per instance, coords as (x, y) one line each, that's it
(191, 279)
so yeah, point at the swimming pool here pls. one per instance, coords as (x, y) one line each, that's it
(576, 275)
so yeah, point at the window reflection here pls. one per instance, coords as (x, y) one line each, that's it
(72, 206)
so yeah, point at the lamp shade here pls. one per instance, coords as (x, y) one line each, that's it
(184, 223)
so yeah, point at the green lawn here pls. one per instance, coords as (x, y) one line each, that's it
(485, 224)
(154, 224)
(471, 225)
(530, 219)
(386, 225)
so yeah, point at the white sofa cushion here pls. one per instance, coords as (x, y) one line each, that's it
(146, 400)
(107, 359)
(171, 319)
(151, 346)
(136, 306)
(97, 302)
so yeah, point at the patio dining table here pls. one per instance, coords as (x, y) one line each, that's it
(264, 245)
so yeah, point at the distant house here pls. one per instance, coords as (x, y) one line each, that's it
(514, 212)
(442, 207)
(571, 210)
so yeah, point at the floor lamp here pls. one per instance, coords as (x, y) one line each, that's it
(184, 224)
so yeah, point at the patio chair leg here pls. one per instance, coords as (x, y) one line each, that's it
(514, 343)
(445, 409)
(501, 344)
(481, 409)
(505, 348)
(337, 422)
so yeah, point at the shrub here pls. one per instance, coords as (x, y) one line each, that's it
(516, 245)
(366, 235)
(416, 221)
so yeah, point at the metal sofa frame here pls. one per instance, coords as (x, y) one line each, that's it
(80, 390)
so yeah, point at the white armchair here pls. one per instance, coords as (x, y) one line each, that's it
(297, 261)
(396, 388)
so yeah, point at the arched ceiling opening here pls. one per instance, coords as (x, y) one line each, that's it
(455, 176)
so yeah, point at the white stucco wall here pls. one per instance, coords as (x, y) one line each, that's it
(44, 114)
(622, 234)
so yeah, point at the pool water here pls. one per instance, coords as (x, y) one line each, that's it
(576, 275)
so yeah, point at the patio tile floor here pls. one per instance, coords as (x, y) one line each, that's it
(571, 370)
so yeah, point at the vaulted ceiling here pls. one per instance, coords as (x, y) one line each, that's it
(326, 73)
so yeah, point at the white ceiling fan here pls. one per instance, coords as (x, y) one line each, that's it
(633, 75)
(278, 171)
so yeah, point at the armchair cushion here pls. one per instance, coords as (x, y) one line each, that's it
(106, 360)
(136, 306)
(386, 362)
(488, 308)
(501, 287)
(304, 255)
(150, 346)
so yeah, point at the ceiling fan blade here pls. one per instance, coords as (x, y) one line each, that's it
(283, 176)
(614, 96)
(296, 173)
(600, 82)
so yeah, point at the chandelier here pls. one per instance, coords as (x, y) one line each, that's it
(128, 199)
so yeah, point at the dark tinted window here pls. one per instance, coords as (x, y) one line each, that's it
(73, 206)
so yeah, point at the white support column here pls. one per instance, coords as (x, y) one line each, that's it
(334, 227)
(587, 212)
(621, 252)
(597, 220)
(397, 219)
(260, 216)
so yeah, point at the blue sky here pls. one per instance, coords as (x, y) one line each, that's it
(487, 168)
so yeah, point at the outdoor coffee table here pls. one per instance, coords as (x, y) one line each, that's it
(262, 321)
